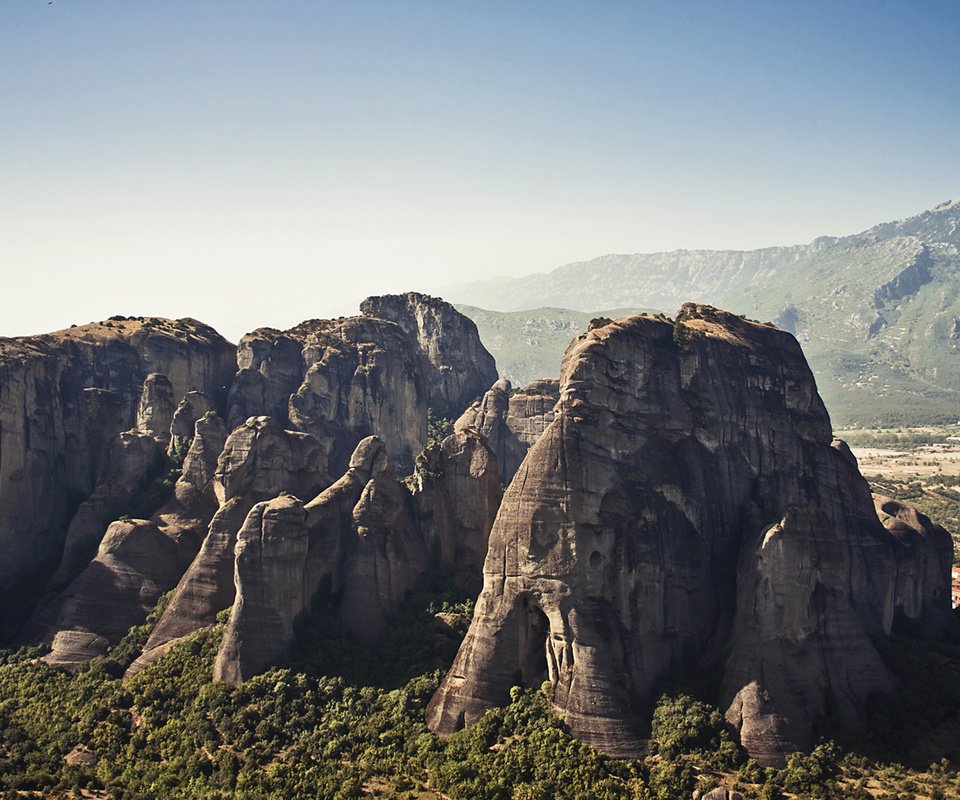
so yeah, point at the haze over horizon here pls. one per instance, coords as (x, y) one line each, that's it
(251, 166)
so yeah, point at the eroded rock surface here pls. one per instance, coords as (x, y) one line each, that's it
(457, 367)
(134, 565)
(686, 507)
(63, 398)
(357, 538)
(512, 420)
(259, 460)
(157, 406)
(924, 562)
(457, 494)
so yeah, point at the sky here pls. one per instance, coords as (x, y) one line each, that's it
(260, 163)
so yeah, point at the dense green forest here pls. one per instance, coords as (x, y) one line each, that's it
(341, 721)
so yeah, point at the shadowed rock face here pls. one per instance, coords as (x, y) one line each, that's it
(457, 494)
(457, 368)
(363, 540)
(344, 379)
(259, 460)
(924, 561)
(687, 506)
(358, 537)
(512, 420)
(63, 398)
(135, 564)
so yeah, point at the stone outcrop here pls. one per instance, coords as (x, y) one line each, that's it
(270, 368)
(132, 460)
(686, 507)
(456, 491)
(377, 374)
(192, 407)
(457, 367)
(924, 562)
(157, 406)
(134, 565)
(512, 420)
(364, 378)
(357, 538)
(63, 398)
(259, 459)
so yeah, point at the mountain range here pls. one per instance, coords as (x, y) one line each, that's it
(877, 313)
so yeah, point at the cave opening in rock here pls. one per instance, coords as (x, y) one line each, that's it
(534, 627)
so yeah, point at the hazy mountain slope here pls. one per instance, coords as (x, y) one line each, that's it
(529, 344)
(878, 313)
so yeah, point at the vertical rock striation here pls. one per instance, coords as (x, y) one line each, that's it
(456, 366)
(63, 398)
(686, 507)
(512, 420)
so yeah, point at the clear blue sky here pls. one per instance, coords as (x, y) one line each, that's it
(253, 163)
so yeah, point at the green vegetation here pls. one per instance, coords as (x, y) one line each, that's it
(339, 720)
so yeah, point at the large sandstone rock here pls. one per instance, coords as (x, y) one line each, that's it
(157, 406)
(134, 565)
(193, 406)
(685, 507)
(924, 563)
(457, 367)
(259, 460)
(63, 398)
(457, 493)
(132, 460)
(512, 420)
(364, 379)
(357, 538)
(270, 368)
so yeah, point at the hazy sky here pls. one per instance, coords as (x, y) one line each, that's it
(255, 163)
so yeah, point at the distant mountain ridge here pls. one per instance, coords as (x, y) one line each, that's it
(877, 313)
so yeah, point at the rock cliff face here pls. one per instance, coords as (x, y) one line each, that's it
(363, 543)
(457, 368)
(924, 561)
(342, 380)
(358, 538)
(457, 494)
(687, 506)
(259, 460)
(512, 420)
(63, 398)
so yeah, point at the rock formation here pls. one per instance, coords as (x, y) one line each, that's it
(63, 398)
(363, 543)
(157, 406)
(344, 379)
(192, 407)
(132, 460)
(259, 460)
(512, 420)
(686, 507)
(364, 378)
(134, 565)
(457, 494)
(457, 367)
(357, 537)
(924, 561)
